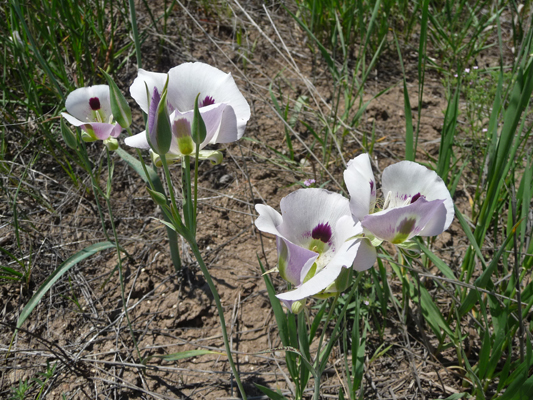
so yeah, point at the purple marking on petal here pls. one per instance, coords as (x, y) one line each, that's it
(372, 188)
(94, 102)
(406, 226)
(207, 101)
(415, 197)
(156, 98)
(322, 232)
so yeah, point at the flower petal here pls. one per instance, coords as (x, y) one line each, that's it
(399, 224)
(361, 185)
(366, 256)
(407, 179)
(268, 220)
(317, 283)
(101, 130)
(189, 79)
(104, 131)
(229, 130)
(146, 79)
(214, 156)
(294, 262)
(138, 141)
(83, 102)
(306, 209)
(365, 253)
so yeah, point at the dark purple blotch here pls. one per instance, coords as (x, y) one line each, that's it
(322, 232)
(94, 103)
(415, 197)
(207, 101)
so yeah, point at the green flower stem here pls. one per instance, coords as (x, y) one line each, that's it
(120, 275)
(196, 185)
(318, 362)
(198, 255)
(188, 206)
(167, 216)
(94, 184)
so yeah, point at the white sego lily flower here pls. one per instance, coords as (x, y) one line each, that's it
(417, 202)
(223, 107)
(90, 109)
(317, 240)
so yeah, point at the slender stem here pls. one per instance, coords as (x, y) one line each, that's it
(167, 216)
(120, 275)
(196, 186)
(94, 185)
(197, 254)
(189, 219)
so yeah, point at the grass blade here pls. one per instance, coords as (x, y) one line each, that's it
(58, 273)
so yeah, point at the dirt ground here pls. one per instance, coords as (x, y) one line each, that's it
(175, 312)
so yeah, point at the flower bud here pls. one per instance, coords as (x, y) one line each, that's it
(68, 136)
(119, 105)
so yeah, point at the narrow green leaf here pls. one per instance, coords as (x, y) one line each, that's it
(58, 273)
(409, 142)
(159, 198)
(184, 354)
(270, 393)
(137, 166)
(484, 279)
(11, 271)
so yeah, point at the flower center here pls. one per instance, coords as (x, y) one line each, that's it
(207, 101)
(94, 103)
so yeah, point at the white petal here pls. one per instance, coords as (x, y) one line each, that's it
(146, 79)
(268, 220)
(190, 79)
(366, 256)
(399, 224)
(74, 121)
(138, 141)
(77, 102)
(316, 284)
(361, 185)
(229, 128)
(406, 179)
(305, 209)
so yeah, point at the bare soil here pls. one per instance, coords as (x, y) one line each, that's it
(81, 322)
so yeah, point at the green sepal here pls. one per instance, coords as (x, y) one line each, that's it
(119, 105)
(88, 135)
(198, 131)
(111, 143)
(68, 136)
